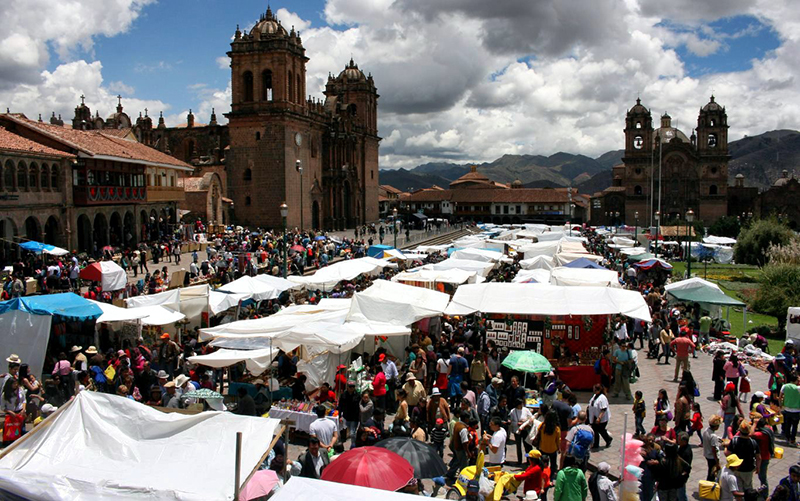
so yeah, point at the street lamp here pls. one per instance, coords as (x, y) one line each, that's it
(617, 219)
(284, 213)
(298, 165)
(636, 225)
(394, 226)
(658, 227)
(689, 219)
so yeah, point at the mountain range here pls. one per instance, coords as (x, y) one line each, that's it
(761, 159)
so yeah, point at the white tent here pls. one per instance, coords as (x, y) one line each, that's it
(546, 248)
(328, 277)
(624, 242)
(485, 255)
(545, 299)
(480, 267)
(711, 239)
(584, 277)
(257, 361)
(396, 303)
(113, 276)
(171, 299)
(540, 276)
(303, 489)
(222, 301)
(113, 313)
(691, 283)
(158, 315)
(257, 289)
(564, 258)
(109, 447)
(540, 262)
(277, 282)
(432, 277)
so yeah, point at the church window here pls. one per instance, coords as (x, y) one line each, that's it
(291, 87)
(353, 110)
(266, 82)
(713, 190)
(638, 125)
(258, 136)
(674, 185)
(8, 176)
(712, 140)
(713, 170)
(505, 209)
(638, 142)
(45, 177)
(299, 89)
(637, 190)
(247, 200)
(33, 174)
(372, 174)
(248, 175)
(711, 122)
(247, 83)
(638, 171)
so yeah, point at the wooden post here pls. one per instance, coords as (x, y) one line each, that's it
(286, 424)
(238, 465)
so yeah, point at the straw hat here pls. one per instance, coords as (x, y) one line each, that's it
(411, 377)
(181, 380)
(170, 384)
(75, 348)
(91, 350)
(14, 359)
(162, 374)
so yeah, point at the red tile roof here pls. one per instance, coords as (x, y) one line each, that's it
(391, 189)
(12, 142)
(495, 195)
(95, 143)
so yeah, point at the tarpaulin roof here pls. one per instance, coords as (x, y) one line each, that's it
(481, 267)
(537, 262)
(303, 489)
(113, 313)
(433, 276)
(474, 254)
(712, 239)
(700, 291)
(110, 447)
(545, 299)
(584, 277)
(584, 263)
(650, 263)
(329, 276)
(110, 275)
(396, 303)
(257, 289)
(256, 361)
(39, 247)
(534, 276)
(65, 306)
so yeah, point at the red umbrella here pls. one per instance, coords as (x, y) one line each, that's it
(373, 467)
(297, 248)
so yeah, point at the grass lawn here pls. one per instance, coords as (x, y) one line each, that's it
(734, 280)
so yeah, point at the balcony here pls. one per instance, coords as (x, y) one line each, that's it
(105, 195)
(165, 194)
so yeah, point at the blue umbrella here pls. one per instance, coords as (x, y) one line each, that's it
(320, 237)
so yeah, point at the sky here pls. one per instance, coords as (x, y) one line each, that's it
(459, 80)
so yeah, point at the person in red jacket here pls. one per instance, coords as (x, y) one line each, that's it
(379, 388)
(533, 473)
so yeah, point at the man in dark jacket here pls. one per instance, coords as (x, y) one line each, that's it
(313, 461)
(791, 484)
(349, 409)
(247, 406)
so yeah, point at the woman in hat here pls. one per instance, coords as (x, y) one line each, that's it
(532, 474)
(730, 404)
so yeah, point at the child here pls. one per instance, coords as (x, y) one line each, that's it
(697, 422)
(639, 412)
(438, 434)
(744, 385)
(545, 477)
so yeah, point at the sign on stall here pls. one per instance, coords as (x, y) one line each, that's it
(517, 334)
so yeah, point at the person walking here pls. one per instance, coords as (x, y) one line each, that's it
(730, 404)
(790, 401)
(599, 414)
(744, 447)
(712, 447)
(683, 346)
(623, 362)
(570, 483)
(666, 337)
(718, 374)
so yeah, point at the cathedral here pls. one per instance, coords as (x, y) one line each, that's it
(691, 172)
(280, 145)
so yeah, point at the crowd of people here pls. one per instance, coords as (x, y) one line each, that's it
(451, 389)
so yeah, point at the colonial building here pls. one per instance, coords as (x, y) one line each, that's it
(475, 197)
(389, 198)
(691, 172)
(274, 128)
(84, 187)
(781, 200)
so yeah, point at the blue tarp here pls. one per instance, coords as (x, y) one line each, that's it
(39, 247)
(65, 306)
(584, 263)
(377, 250)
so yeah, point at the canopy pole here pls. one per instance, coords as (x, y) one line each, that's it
(238, 467)
(269, 382)
(744, 324)
(624, 436)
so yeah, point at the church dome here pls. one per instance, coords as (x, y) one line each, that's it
(351, 73)
(712, 105)
(638, 108)
(783, 179)
(268, 25)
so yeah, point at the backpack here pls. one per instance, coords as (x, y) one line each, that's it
(597, 367)
(580, 444)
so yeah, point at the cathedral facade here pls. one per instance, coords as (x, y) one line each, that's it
(319, 157)
(664, 169)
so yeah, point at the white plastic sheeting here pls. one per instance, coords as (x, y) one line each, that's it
(547, 248)
(114, 277)
(25, 335)
(257, 289)
(113, 313)
(691, 283)
(328, 277)
(396, 303)
(540, 262)
(537, 276)
(711, 239)
(159, 315)
(222, 301)
(257, 361)
(585, 277)
(543, 299)
(486, 255)
(171, 299)
(109, 447)
(277, 282)
(303, 489)
(624, 242)
(564, 258)
(456, 277)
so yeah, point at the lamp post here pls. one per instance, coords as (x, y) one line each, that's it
(616, 217)
(285, 212)
(689, 219)
(636, 226)
(658, 227)
(298, 165)
(394, 226)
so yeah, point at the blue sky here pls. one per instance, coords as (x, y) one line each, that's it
(464, 80)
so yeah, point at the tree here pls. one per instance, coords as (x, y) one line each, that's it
(780, 289)
(755, 239)
(727, 226)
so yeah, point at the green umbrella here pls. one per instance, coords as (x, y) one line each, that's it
(202, 393)
(527, 361)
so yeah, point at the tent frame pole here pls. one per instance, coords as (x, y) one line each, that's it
(238, 466)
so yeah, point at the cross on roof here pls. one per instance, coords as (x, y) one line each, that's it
(119, 100)
(82, 99)
(145, 112)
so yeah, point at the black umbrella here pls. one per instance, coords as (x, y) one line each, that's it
(423, 457)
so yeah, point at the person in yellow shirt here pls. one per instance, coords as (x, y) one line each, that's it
(550, 439)
(47, 409)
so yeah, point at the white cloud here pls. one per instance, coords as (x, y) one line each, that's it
(120, 88)
(224, 62)
(291, 20)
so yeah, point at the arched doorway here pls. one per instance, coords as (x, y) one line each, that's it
(153, 224)
(100, 233)
(128, 230)
(8, 233)
(115, 229)
(315, 215)
(32, 231)
(84, 233)
(52, 234)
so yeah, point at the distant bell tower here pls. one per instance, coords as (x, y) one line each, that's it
(712, 129)
(638, 131)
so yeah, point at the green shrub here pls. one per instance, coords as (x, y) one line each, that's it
(755, 239)
(780, 289)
